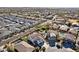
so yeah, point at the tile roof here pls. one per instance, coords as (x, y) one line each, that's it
(24, 47)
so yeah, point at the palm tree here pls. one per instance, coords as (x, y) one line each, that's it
(10, 47)
(36, 49)
(43, 49)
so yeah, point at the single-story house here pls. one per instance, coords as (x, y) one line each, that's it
(64, 28)
(36, 39)
(60, 21)
(51, 38)
(24, 47)
(69, 41)
(55, 26)
(73, 31)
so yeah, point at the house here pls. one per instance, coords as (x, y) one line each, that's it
(69, 41)
(60, 21)
(51, 38)
(24, 47)
(64, 28)
(55, 26)
(36, 39)
(4, 33)
(49, 17)
(75, 24)
(73, 31)
(76, 28)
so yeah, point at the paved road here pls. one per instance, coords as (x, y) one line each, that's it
(15, 37)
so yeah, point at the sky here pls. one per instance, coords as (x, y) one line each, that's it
(39, 3)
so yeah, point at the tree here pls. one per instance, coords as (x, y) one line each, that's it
(36, 49)
(78, 21)
(10, 47)
(69, 24)
(25, 38)
(43, 49)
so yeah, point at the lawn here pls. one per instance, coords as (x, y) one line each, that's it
(24, 38)
(42, 28)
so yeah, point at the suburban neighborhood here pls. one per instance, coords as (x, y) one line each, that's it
(28, 29)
